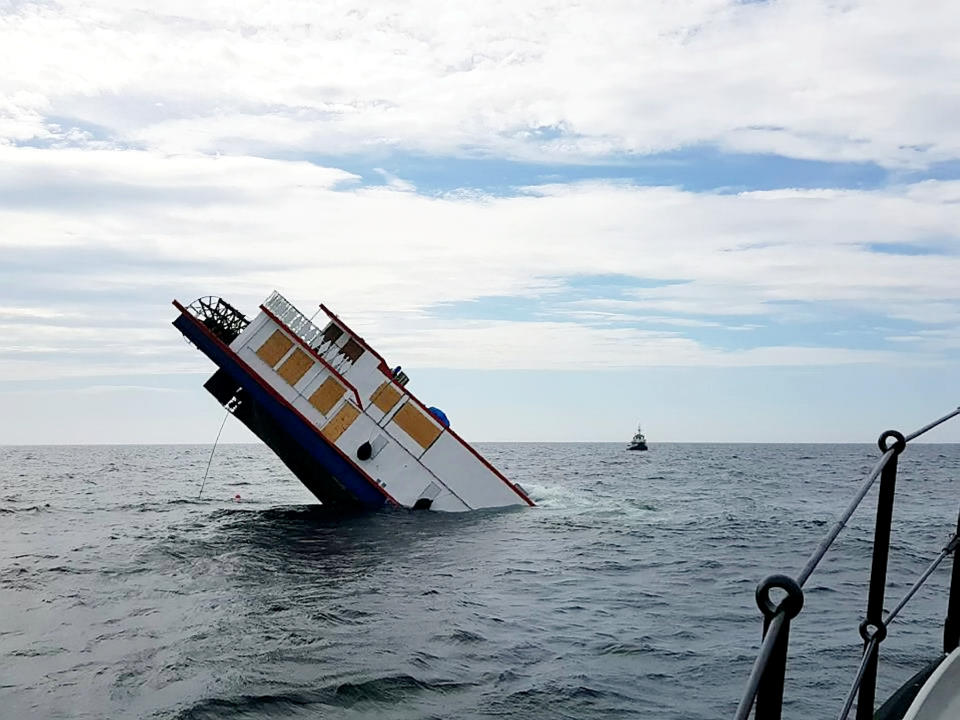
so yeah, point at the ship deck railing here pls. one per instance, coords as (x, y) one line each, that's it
(298, 323)
(765, 685)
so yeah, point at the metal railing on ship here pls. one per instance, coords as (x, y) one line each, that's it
(765, 684)
(298, 323)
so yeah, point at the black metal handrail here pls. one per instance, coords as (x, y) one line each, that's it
(874, 639)
(765, 683)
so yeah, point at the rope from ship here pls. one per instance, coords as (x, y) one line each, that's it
(212, 451)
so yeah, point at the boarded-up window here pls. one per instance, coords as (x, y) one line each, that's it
(415, 424)
(341, 421)
(327, 395)
(295, 366)
(274, 348)
(385, 397)
(352, 350)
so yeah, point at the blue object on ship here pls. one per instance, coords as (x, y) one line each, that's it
(439, 415)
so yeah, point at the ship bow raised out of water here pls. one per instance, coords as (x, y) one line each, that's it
(335, 413)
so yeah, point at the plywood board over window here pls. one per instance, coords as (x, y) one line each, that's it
(327, 395)
(295, 366)
(276, 346)
(415, 424)
(340, 422)
(385, 397)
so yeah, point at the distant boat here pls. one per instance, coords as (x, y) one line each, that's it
(638, 442)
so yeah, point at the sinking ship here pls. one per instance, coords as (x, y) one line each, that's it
(335, 412)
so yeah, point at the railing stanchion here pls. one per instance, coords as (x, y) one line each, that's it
(770, 693)
(873, 625)
(776, 618)
(764, 691)
(951, 624)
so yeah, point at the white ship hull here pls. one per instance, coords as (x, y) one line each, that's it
(334, 412)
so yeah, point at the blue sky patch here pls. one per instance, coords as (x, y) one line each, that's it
(613, 282)
(552, 304)
(700, 168)
(909, 249)
(829, 325)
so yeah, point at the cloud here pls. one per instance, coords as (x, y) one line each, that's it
(31, 313)
(932, 341)
(92, 181)
(543, 80)
(344, 154)
(110, 389)
(100, 275)
(565, 346)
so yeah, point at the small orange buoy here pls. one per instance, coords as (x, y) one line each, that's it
(236, 498)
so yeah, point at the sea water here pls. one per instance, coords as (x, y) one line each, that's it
(627, 592)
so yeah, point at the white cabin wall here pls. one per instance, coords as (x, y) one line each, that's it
(402, 476)
(372, 411)
(466, 475)
(311, 379)
(249, 332)
(256, 334)
(365, 375)
(446, 501)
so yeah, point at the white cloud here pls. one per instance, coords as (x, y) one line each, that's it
(563, 346)
(32, 313)
(541, 79)
(149, 227)
(110, 389)
(156, 151)
(932, 340)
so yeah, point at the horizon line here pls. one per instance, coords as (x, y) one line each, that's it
(499, 442)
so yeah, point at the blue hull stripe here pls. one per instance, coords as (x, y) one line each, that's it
(305, 434)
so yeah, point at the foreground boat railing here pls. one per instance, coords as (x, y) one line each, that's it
(765, 684)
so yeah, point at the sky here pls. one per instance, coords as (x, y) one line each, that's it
(726, 220)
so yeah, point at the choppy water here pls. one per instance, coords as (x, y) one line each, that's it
(627, 593)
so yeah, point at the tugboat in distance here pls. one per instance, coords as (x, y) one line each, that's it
(639, 442)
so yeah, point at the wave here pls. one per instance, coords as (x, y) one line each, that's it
(387, 690)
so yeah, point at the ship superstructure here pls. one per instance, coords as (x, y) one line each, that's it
(638, 441)
(335, 412)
